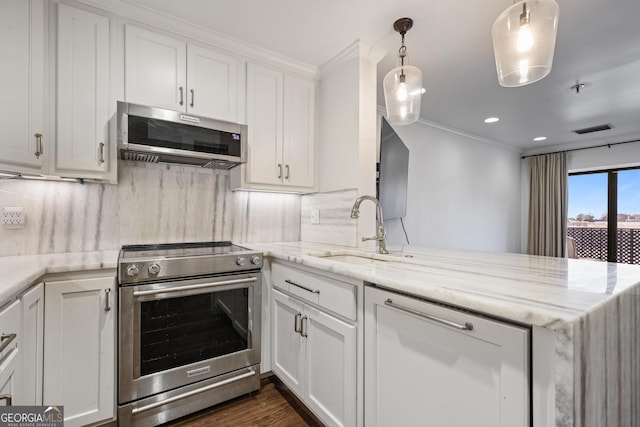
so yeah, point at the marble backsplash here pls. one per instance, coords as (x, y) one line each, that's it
(336, 226)
(152, 203)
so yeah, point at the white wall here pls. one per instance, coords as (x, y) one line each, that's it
(463, 193)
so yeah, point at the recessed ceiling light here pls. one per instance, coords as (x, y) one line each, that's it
(491, 120)
(539, 138)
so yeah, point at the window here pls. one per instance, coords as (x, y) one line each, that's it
(604, 215)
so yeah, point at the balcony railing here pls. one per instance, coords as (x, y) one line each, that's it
(591, 243)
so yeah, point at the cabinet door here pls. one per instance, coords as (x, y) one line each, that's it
(330, 381)
(212, 83)
(10, 357)
(79, 349)
(22, 35)
(287, 358)
(155, 69)
(264, 121)
(419, 369)
(299, 132)
(32, 344)
(83, 92)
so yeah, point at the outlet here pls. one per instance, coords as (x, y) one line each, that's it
(13, 217)
(315, 217)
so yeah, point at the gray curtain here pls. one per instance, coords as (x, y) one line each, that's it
(547, 204)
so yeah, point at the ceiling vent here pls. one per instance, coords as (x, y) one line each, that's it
(593, 129)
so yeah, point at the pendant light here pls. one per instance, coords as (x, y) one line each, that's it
(403, 84)
(524, 38)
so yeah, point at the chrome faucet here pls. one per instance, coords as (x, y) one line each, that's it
(381, 233)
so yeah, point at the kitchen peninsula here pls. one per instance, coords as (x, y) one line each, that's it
(582, 314)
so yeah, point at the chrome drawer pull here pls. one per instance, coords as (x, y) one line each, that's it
(7, 398)
(6, 339)
(313, 291)
(193, 392)
(107, 293)
(181, 95)
(296, 322)
(468, 326)
(304, 331)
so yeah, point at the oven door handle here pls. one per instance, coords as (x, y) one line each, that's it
(192, 287)
(248, 374)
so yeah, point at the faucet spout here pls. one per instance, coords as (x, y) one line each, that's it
(380, 231)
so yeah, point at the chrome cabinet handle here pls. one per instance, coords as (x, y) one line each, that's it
(181, 95)
(279, 171)
(101, 153)
(193, 97)
(7, 398)
(313, 291)
(468, 326)
(6, 339)
(303, 329)
(296, 322)
(286, 172)
(39, 145)
(107, 294)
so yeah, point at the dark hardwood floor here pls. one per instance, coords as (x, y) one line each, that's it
(273, 405)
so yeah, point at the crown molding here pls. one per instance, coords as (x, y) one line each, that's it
(166, 22)
(383, 112)
(356, 50)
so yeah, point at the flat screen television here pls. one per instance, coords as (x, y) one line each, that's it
(393, 173)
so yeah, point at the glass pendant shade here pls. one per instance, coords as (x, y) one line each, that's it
(524, 39)
(402, 94)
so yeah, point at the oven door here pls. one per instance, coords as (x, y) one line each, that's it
(181, 332)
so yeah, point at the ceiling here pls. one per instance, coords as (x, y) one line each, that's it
(598, 44)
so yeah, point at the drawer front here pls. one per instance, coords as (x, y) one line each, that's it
(333, 295)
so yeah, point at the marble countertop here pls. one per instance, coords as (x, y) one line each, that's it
(17, 273)
(540, 291)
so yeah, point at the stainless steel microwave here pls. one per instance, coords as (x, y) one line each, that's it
(150, 134)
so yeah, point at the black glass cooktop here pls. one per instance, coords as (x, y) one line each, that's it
(178, 250)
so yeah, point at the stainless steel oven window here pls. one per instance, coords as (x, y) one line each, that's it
(179, 331)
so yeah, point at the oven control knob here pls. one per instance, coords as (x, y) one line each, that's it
(154, 269)
(132, 270)
(241, 261)
(255, 260)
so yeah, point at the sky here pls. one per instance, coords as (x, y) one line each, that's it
(588, 193)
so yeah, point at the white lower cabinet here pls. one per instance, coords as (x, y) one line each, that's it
(10, 354)
(422, 368)
(314, 354)
(79, 348)
(32, 342)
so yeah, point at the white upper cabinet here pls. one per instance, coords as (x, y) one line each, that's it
(22, 84)
(168, 73)
(83, 104)
(281, 126)
(212, 79)
(155, 69)
(298, 145)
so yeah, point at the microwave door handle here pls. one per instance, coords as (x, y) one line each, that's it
(212, 285)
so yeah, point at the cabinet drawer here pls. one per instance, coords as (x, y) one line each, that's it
(331, 294)
(9, 325)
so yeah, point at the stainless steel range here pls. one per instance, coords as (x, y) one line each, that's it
(189, 328)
